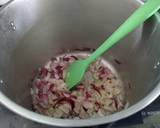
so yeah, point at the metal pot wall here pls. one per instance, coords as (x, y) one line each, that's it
(33, 31)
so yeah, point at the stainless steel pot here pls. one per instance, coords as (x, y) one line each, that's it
(32, 31)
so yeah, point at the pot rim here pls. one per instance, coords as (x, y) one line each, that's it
(82, 122)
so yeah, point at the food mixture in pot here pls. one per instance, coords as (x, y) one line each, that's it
(100, 93)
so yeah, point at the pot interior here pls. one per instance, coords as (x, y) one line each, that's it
(32, 32)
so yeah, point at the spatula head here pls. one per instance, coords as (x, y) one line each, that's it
(75, 73)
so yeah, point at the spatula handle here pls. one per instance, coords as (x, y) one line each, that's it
(137, 18)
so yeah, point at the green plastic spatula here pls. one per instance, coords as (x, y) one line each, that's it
(76, 70)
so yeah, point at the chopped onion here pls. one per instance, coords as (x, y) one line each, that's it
(98, 94)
